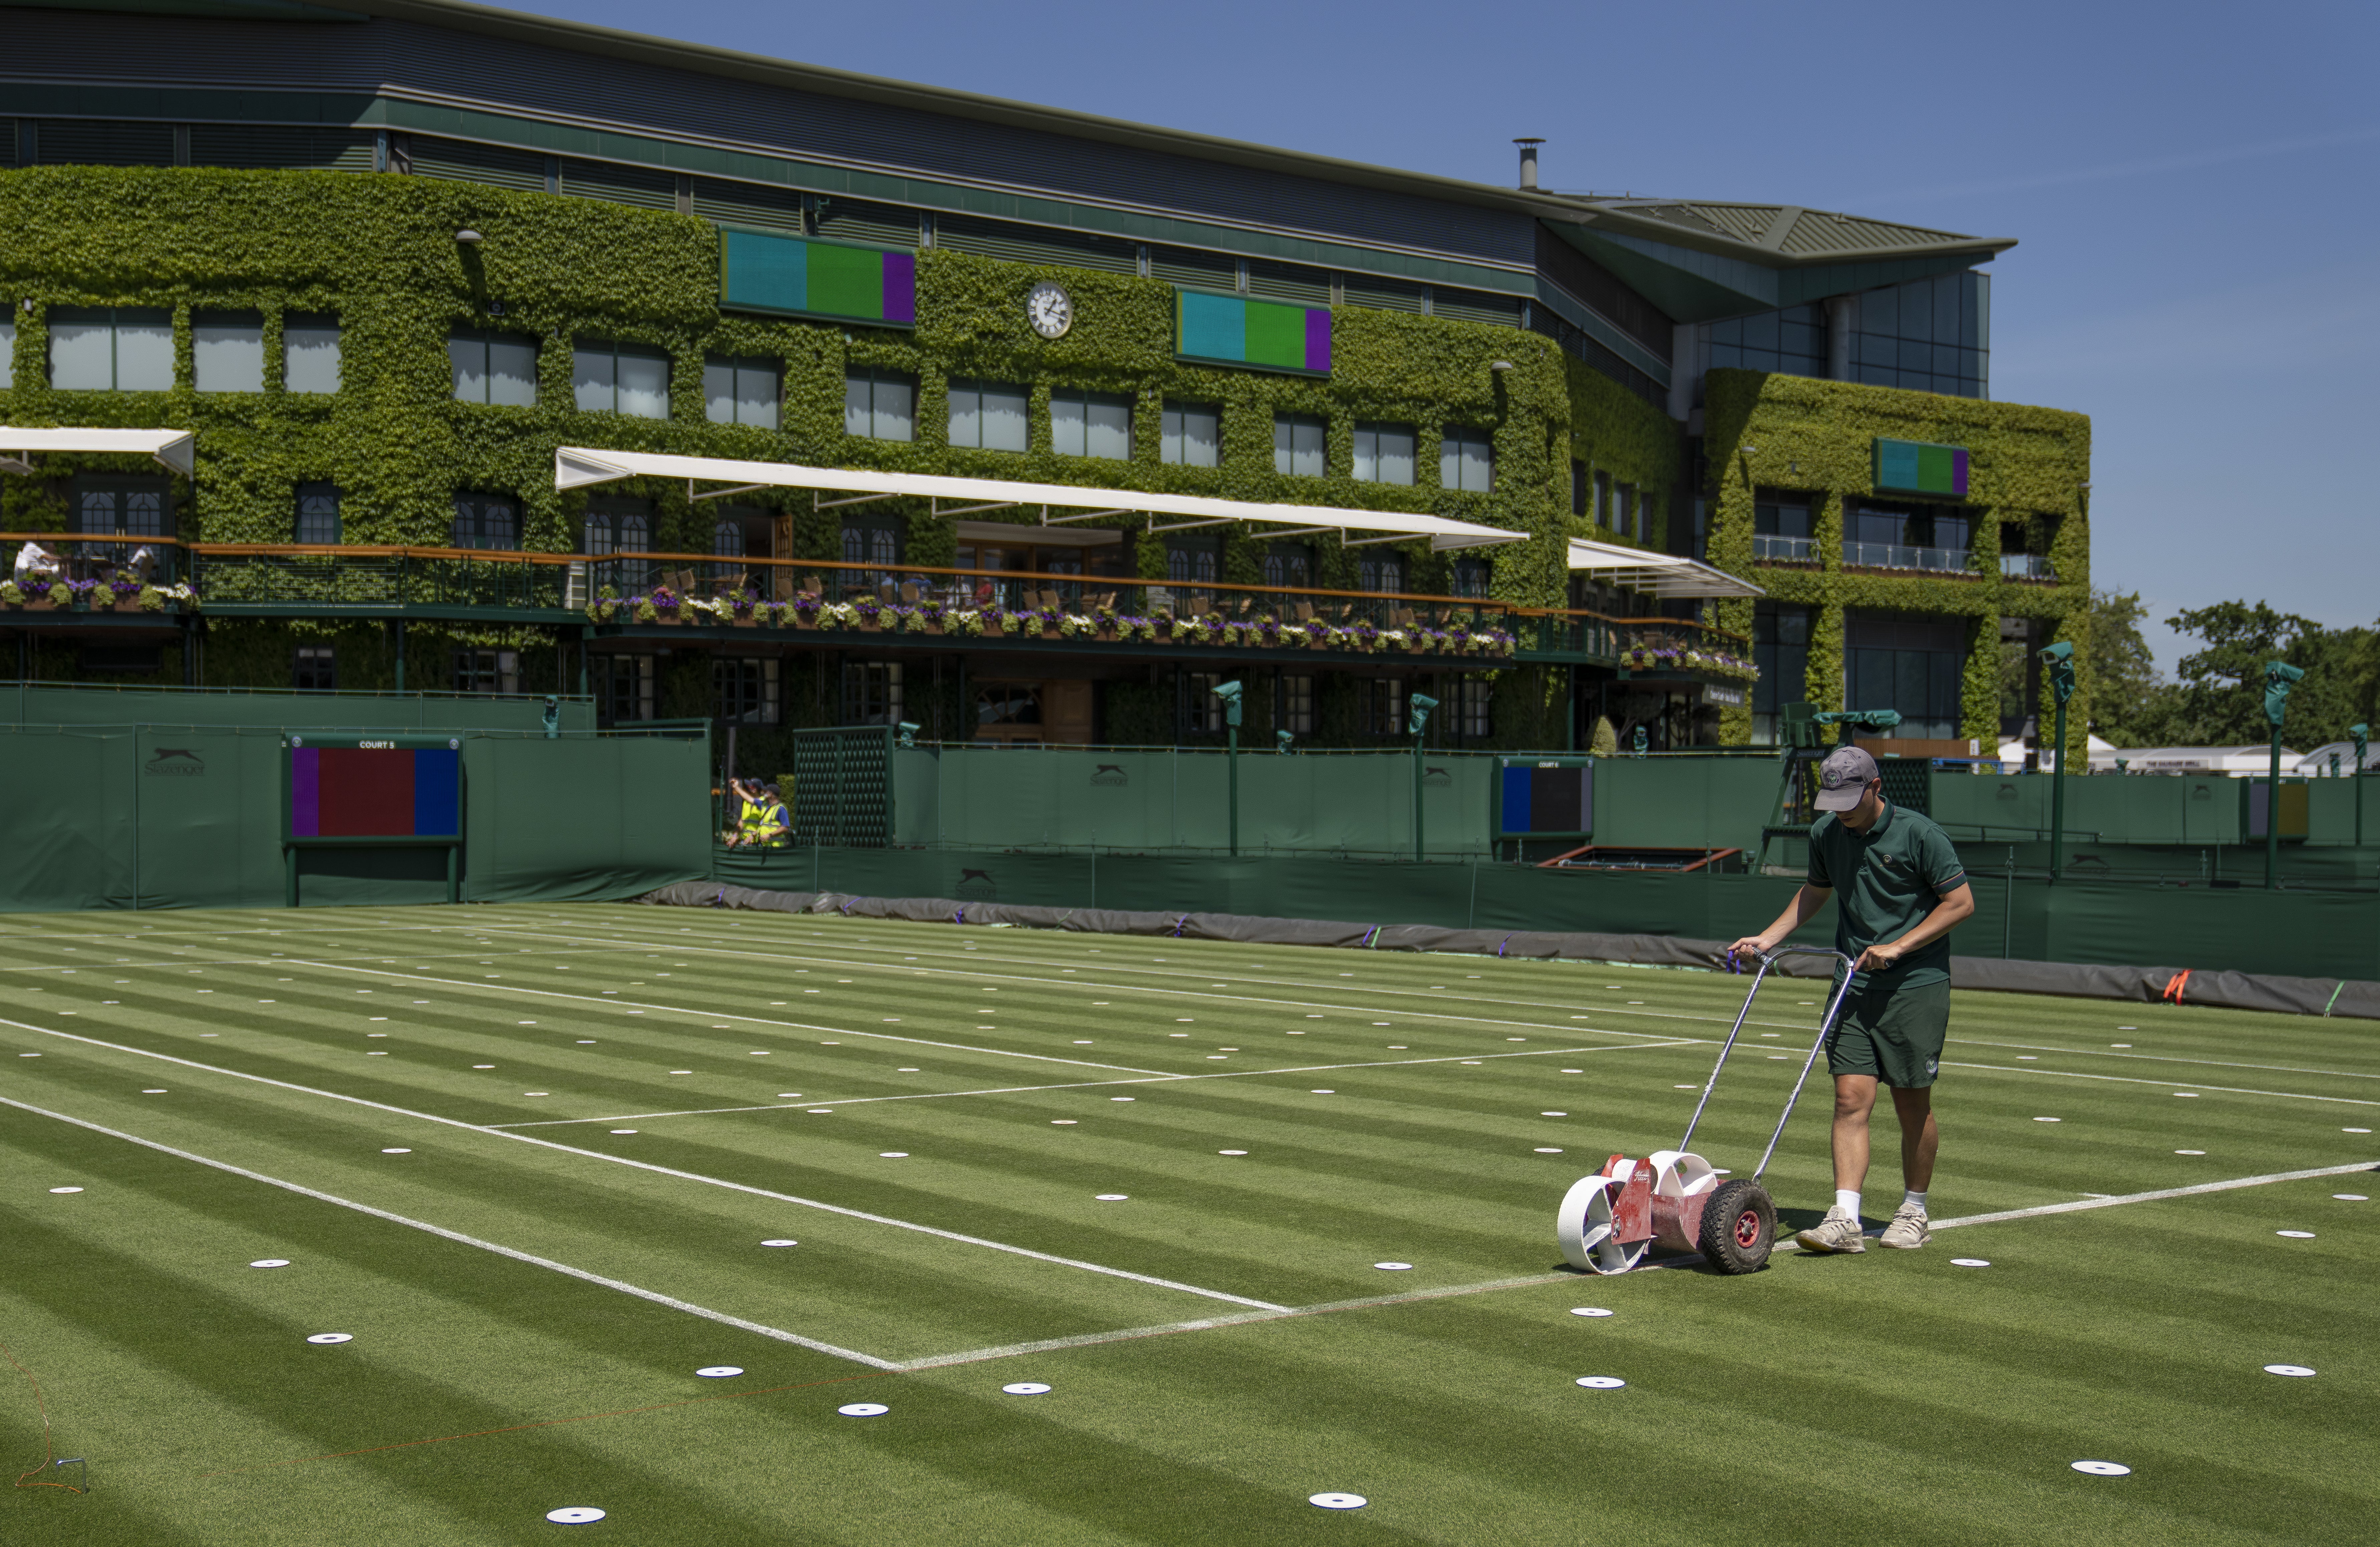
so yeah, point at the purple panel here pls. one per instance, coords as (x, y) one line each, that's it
(305, 792)
(901, 287)
(1959, 473)
(1318, 338)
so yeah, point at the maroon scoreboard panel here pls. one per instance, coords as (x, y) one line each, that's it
(351, 790)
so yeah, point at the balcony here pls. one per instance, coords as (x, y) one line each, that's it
(2026, 566)
(1892, 555)
(1773, 549)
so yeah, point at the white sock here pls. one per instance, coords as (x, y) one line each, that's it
(1848, 1201)
(1912, 1198)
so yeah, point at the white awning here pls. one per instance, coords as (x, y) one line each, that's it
(1663, 574)
(574, 466)
(177, 449)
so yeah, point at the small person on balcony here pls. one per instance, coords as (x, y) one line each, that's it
(35, 565)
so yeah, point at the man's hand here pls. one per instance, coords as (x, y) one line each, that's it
(1879, 958)
(1751, 946)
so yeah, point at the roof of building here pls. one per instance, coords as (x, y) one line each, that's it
(1782, 233)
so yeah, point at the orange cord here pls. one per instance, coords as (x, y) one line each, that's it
(43, 1408)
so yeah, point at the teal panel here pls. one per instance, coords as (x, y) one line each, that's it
(768, 272)
(1213, 327)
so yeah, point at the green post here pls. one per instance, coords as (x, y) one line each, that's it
(1417, 721)
(400, 655)
(2361, 733)
(2060, 657)
(2279, 677)
(1230, 693)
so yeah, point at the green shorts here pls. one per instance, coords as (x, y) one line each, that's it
(1892, 1033)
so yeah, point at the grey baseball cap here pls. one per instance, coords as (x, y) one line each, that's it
(1843, 778)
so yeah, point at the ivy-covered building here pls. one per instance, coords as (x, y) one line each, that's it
(385, 258)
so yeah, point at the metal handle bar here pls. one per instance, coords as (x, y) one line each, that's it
(1769, 959)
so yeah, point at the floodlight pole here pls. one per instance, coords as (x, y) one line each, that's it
(2060, 657)
(2360, 733)
(2279, 677)
(1417, 721)
(1231, 757)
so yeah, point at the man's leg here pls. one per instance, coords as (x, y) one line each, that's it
(1919, 1136)
(1854, 1099)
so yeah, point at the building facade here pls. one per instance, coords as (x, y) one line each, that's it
(383, 260)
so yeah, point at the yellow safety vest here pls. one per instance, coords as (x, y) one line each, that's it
(748, 819)
(773, 822)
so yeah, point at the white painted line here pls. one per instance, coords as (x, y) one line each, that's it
(2168, 1084)
(674, 1304)
(667, 1171)
(2153, 1197)
(2166, 1058)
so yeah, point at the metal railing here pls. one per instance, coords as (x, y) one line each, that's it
(1892, 555)
(2026, 566)
(1788, 550)
(82, 558)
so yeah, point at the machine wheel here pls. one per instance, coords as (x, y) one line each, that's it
(1738, 1226)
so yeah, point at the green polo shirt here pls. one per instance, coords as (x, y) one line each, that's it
(1885, 881)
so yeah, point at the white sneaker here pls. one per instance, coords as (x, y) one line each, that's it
(1907, 1231)
(1839, 1231)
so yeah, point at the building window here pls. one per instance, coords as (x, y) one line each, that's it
(309, 351)
(318, 512)
(871, 693)
(123, 348)
(487, 521)
(7, 352)
(1090, 425)
(1471, 576)
(1297, 703)
(487, 671)
(1203, 712)
(613, 378)
(1189, 562)
(1297, 442)
(742, 389)
(1473, 699)
(1385, 706)
(1603, 499)
(1782, 528)
(1791, 342)
(1382, 572)
(1466, 460)
(874, 542)
(1384, 453)
(1907, 537)
(1926, 336)
(123, 506)
(499, 367)
(1193, 435)
(1289, 564)
(315, 670)
(1624, 510)
(1908, 663)
(881, 405)
(624, 687)
(227, 350)
(744, 691)
(1646, 504)
(1578, 487)
(1781, 648)
(620, 524)
(989, 416)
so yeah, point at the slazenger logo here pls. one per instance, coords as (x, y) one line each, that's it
(1110, 773)
(977, 885)
(174, 762)
(1436, 776)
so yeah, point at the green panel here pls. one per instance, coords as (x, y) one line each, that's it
(1683, 802)
(583, 821)
(209, 818)
(69, 814)
(1276, 335)
(370, 877)
(848, 281)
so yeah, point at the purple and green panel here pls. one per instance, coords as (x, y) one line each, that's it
(1236, 330)
(1921, 468)
(761, 273)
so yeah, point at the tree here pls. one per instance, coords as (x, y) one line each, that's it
(2219, 699)
(2130, 698)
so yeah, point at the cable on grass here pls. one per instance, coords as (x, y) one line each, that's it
(49, 1456)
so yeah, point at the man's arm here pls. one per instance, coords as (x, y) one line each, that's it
(1804, 907)
(1957, 906)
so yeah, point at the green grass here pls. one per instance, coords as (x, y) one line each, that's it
(1888, 1397)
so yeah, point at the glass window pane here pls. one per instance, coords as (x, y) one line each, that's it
(967, 414)
(1450, 461)
(1284, 444)
(7, 353)
(228, 351)
(309, 353)
(318, 513)
(1368, 454)
(1202, 437)
(1396, 455)
(758, 392)
(82, 350)
(1169, 434)
(1879, 313)
(499, 524)
(1003, 417)
(632, 533)
(470, 359)
(1307, 462)
(896, 413)
(512, 372)
(594, 377)
(857, 396)
(1109, 427)
(1066, 433)
(144, 349)
(718, 389)
(644, 384)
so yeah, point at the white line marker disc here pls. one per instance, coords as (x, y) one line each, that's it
(269, 1263)
(1589, 1310)
(1553, 1113)
(1121, 1098)
(2189, 1093)
(1970, 1262)
(2295, 1235)
(892, 1155)
(2189, 1152)
(624, 1130)
(1545, 1151)
(1115, 1197)
(1601, 1383)
(2287, 1370)
(863, 1409)
(2104, 1468)
(1244, 1151)
(397, 1152)
(1392, 1267)
(1062, 1122)
(1337, 1501)
(578, 1515)
(822, 1111)
(65, 1189)
(789, 1095)
(719, 1372)
(1322, 1092)
(780, 1243)
(153, 1092)
(2355, 1130)
(2350, 1198)
(2049, 1119)
(332, 1337)
(1025, 1388)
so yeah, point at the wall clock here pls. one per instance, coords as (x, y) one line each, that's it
(1049, 310)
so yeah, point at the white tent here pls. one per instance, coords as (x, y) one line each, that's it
(2317, 763)
(575, 467)
(2102, 755)
(1663, 574)
(175, 449)
(2234, 762)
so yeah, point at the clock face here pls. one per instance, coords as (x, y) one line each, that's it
(1049, 310)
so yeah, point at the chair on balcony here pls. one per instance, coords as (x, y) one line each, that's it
(781, 585)
(1302, 610)
(909, 595)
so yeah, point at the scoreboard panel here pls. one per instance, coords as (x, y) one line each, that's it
(1545, 797)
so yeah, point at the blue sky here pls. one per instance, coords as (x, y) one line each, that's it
(2191, 188)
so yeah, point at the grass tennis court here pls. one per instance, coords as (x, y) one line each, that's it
(527, 1158)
